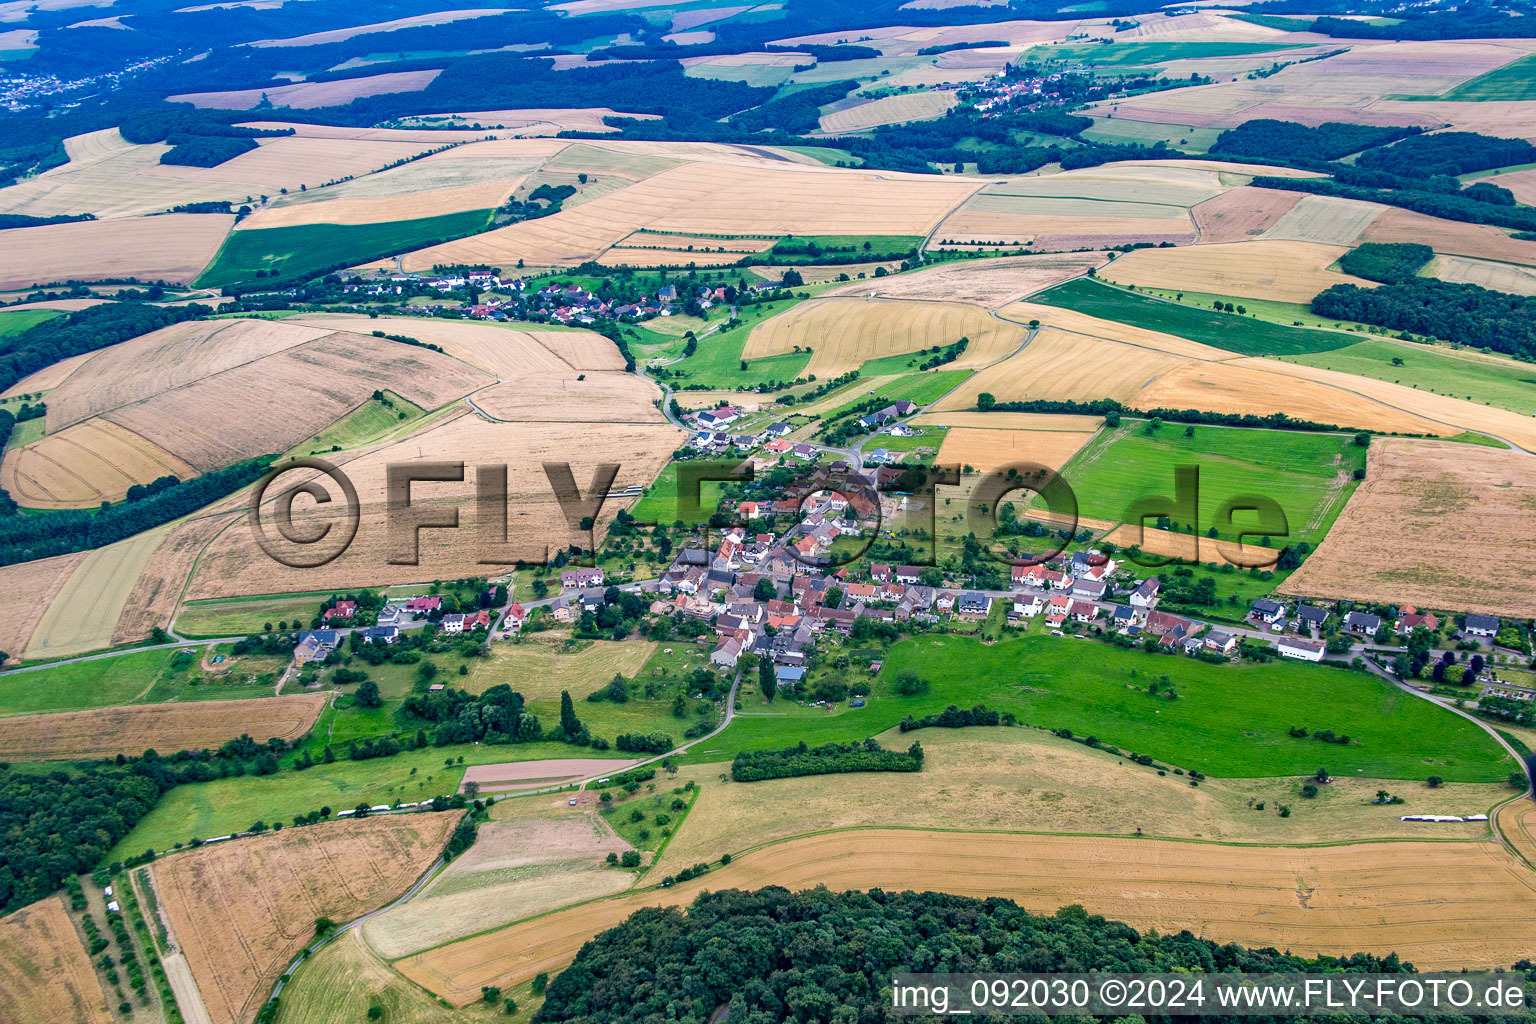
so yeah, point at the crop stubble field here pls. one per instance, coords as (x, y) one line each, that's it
(168, 727)
(1434, 524)
(845, 333)
(45, 972)
(1309, 900)
(990, 283)
(1281, 270)
(271, 888)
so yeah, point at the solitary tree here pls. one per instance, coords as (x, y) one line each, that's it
(569, 723)
(766, 680)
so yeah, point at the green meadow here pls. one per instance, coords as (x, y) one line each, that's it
(1504, 383)
(309, 249)
(1300, 471)
(1230, 331)
(1230, 721)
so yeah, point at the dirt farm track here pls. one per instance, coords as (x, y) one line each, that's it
(1310, 900)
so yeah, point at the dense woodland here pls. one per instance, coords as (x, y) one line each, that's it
(829, 759)
(1387, 262)
(1463, 314)
(1289, 140)
(773, 955)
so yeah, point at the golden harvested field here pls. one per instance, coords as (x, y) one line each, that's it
(1482, 241)
(663, 240)
(1310, 900)
(1517, 820)
(303, 95)
(1027, 779)
(233, 565)
(271, 888)
(1281, 271)
(1348, 87)
(989, 449)
(49, 377)
(483, 196)
(163, 360)
(337, 35)
(85, 464)
(155, 596)
(717, 198)
(1436, 524)
(506, 353)
(610, 397)
(26, 591)
(1002, 227)
(1242, 213)
(1499, 276)
(291, 395)
(632, 256)
(1325, 219)
(45, 972)
(174, 247)
(1521, 183)
(989, 283)
(132, 730)
(1443, 413)
(83, 617)
(536, 121)
(846, 332)
(342, 982)
(907, 106)
(517, 868)
(1261, 387)
(539, 669)
(1057, 364)
(1177, 545)
(111, 177)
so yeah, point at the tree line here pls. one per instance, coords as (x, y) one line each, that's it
(26, 538)
(1112, 411)
(829, 759)
(954, 717)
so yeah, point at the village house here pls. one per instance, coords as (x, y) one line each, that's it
(1084, 611)
(945, 602)
(561, 609)
(1144, 597)
(1266, 611)
(1362, 623)
(1312, 616)
(424, 605)
(573, 578)
(380, 635)
(1218, 642)
(715, 419)
(880, 573)
(908, 574)
(315, 645)
(341, 611)
(1124, 615)
(1481, 625)
(1409, 619)
(452, 623)
(1303, 650)
(727, 654)
(516, 616)
(1091, 589)
(1026, 605)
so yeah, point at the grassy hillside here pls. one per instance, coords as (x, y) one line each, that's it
(1228, 721)
(1504, 384)
(1299, 471)
(1228, 331)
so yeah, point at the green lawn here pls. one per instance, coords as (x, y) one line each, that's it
(931, 437)
(717, 363)
(238, 616)
(1504, 384)
(1229, 721)
(1514, 81)
(660, 503)
(1298, 470)
(140, 677)
(26, 432)
(205, 809)
(826, 154)
(1222, 330)
(297, 252)
(921, 388)
(367, 423)
(1123, 54)
(18, 320)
